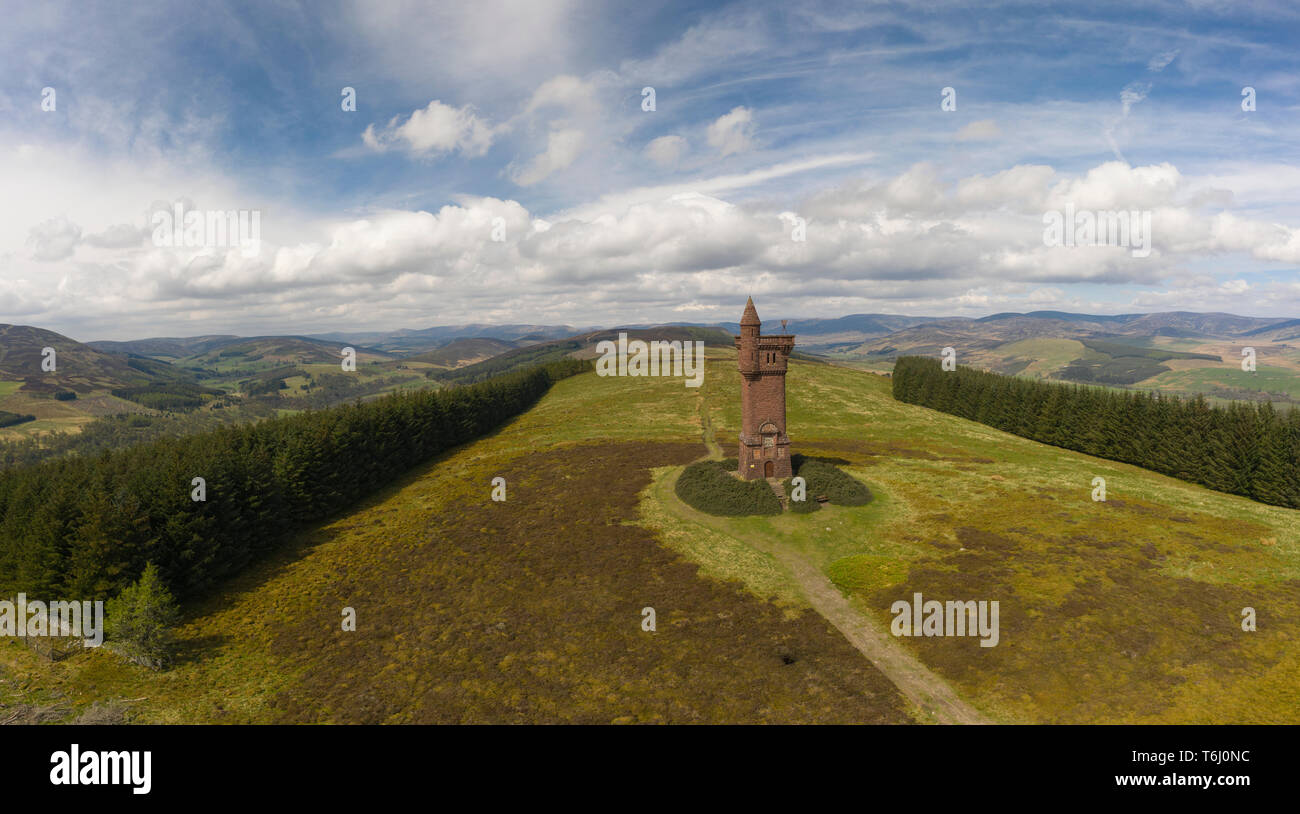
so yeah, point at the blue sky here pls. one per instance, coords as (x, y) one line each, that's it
(527, 118)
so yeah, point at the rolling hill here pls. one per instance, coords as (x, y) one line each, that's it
(87, 383)
(165, 347)
(409, 341)
(817, 334)
(1123, 611)
(581, 346)
(244, 351)
(461, 352)
(1176, 352)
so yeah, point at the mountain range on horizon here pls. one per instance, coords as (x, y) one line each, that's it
(404, 340)
(1179, 352)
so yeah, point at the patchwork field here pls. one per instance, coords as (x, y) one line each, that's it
(1233, 380)
(1186, 365)
(530, 610)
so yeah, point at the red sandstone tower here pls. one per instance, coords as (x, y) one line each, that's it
(764, 446)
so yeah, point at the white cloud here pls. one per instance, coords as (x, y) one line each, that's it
(1161, 61)
(733, 132)
(906, 235)
(1022, 188)
(562, 148)
(666, 151)
(563, 91)
(117, 236)
(54, 239)
(1116, 185)
(435, 129)
(618, 202)
(983, 130)
(1131, 94)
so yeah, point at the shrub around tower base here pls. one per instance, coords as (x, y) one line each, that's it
(713, 488)
(825, 480)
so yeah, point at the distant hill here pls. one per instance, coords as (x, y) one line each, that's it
(79, 367)
(580, 346)
(996, 329)
(819, 334)
(461, 352)
(242, 351)
(1178, 352)
(165, 347)
(407, 341)
(1285, 331)
(86, 383)
(1063, 316)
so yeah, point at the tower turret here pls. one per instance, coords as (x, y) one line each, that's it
(747, 343)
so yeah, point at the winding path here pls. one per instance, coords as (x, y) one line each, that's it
(932, 696)
(935, 700)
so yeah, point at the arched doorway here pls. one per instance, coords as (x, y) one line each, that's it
(769, 469)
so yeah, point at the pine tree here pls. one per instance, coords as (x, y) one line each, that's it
(141, 618)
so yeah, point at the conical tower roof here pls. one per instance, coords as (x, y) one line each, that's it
(751, 313)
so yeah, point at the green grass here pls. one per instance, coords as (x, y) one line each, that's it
(1044, 355)
(1124, 611)
(1230, 376)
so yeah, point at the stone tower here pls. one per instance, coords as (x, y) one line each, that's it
(764, 446)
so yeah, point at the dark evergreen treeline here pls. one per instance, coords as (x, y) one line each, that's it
(85, 527)
(13, 419)
(1243, 449)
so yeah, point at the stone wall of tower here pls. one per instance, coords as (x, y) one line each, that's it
(766, 402)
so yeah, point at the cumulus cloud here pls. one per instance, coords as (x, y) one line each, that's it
(562, 148)
(666, 151)
(1116, 185)
(732, 132)
(960, 244)
(1022, 188)
(556, 111)
(117, 236)
(564, 91)
(54, 239)
(433, 130)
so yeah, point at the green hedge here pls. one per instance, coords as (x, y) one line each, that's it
(711, 487)
(824, 479)
(12, 419)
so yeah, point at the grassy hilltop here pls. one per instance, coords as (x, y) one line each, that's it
(530, 610)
